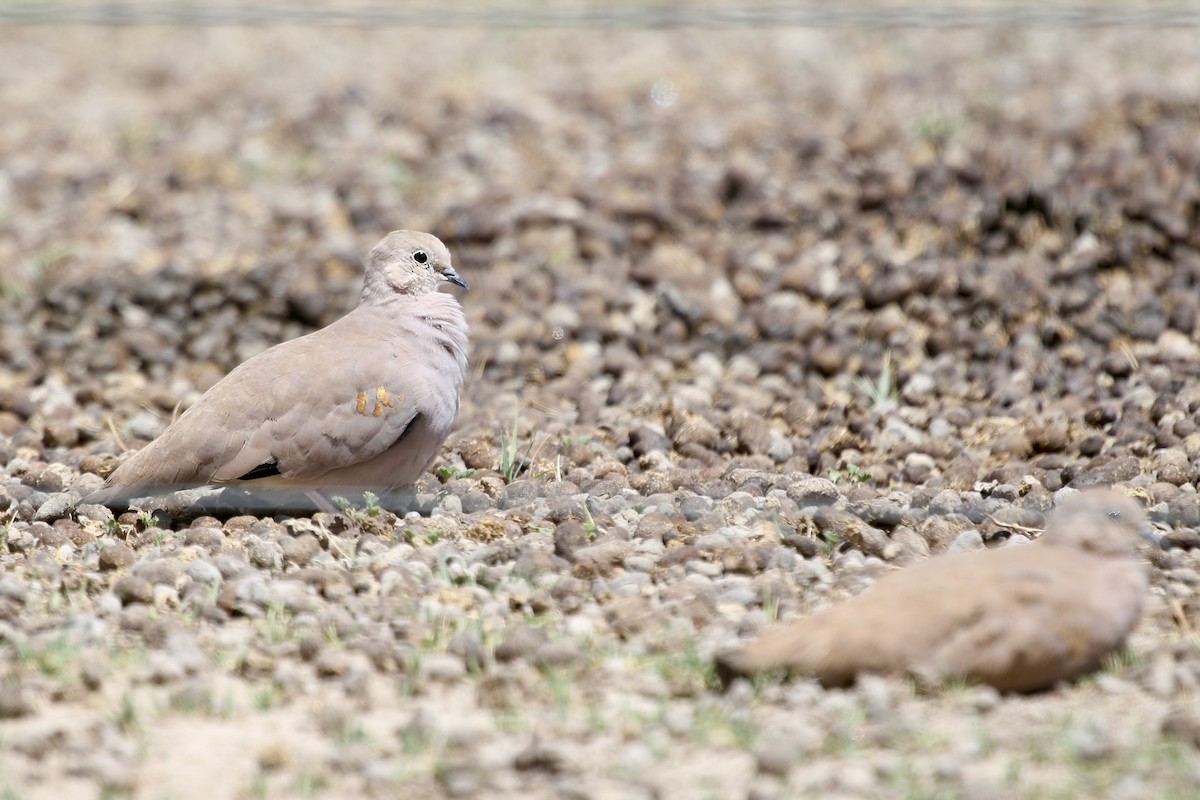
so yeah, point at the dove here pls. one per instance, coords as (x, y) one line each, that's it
(364, 403)
(1020, 618)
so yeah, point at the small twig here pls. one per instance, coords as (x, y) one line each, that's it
(1180, 617)
(322, 532)
(480, 366)
(1033, 532)
(1127, 351)
(112, 428)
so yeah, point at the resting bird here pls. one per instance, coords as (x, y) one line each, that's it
(364, 403)
(1020, 618)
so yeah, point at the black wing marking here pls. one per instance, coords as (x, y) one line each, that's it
(266, 469)
(269, 469)
(412, 423)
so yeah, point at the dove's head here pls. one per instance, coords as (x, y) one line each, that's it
(409, 262)
(1099, 521)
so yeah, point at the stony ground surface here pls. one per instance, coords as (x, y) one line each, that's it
(757, 316)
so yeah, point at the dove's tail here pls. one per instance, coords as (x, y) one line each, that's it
(800, 648)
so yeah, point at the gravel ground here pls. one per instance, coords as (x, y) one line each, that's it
(757, 316)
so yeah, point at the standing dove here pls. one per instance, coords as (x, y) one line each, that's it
(1020, 618)
(363, 403)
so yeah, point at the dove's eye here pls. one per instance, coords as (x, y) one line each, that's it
(420, 256)
(1114, 514)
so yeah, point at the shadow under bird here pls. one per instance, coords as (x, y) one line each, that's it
(363, 404)
(1020, 618)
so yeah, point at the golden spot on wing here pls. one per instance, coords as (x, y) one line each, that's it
(382, 399)
(362, 403)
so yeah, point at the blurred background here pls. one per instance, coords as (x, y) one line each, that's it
(730, 264)
(809, 188)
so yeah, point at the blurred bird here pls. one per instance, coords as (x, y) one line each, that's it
(1020, 618)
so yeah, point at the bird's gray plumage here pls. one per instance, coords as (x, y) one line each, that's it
(365, 402)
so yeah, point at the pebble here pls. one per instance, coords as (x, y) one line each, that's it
(968, 540)
(15, 702)
(162, 668)
(519, 642)
(1091, 741)
(918, 467)
(204, 572)
(55, 507)
(266, 555)
(780, 449)
(777, 754)
(13, 588)
(132, 589)
(158, 571)
(299, 550)
(443, 667)
(116, 555)
(601, 558)
(808, 492)
(693, 507)
(557, 653)
(113, 775)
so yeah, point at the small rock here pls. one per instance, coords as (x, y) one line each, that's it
(443, 667)
(204, 572)
(209, 538)
(266, 555)
(540, 757)
(15, 702)
(777, 755)
(117, 555)
(489, 529)
(1050, 434)
(809, 491)
(1183, 722)
(1162, 675)
(331, 663)
(969, 539)
(918, 467)
(695, 506)
(1091, 741)
(162, 571)
(569, 537)
(1118, 470)
(132, 589)
(163, 669)
(630, 615)
(849, 528)
(520, 641)
(780, 449)
(13, 588)
(94, 512)
(1183, 538)
(557, 653)
(300, 550)
(37, 740)
(459, 777)
(468, 646)
(274, 756)
(601, 558)
(56, 507)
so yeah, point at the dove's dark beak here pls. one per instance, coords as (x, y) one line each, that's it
(449, 274)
